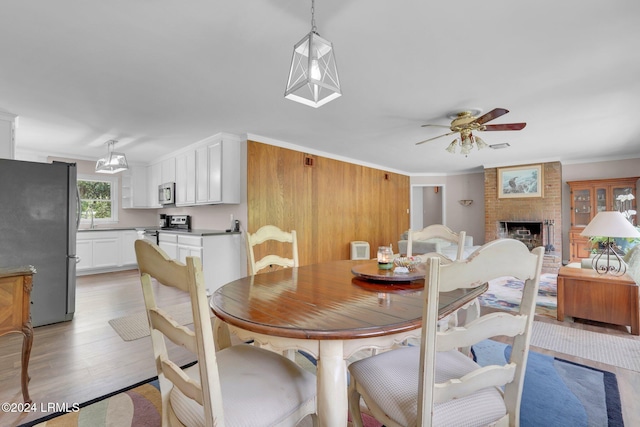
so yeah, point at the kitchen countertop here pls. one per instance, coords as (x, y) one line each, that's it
(193, 232)
(80, 230)
(200, 232)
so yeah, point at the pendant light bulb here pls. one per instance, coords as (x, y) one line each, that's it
(314, 71)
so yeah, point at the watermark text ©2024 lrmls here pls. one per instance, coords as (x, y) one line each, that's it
(43, 407)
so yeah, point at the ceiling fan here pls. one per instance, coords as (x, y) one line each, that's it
(467, 122)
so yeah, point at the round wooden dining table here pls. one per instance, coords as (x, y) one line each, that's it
(329, 310)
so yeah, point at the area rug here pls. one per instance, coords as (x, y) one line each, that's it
(556, 392)
(615, 350)
(560, 393)
(136, 406)
(506, 293)
(136, 326)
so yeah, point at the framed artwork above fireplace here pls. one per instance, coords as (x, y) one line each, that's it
(520, 181)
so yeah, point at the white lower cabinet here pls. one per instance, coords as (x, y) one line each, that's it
(84, 253)
(106, 251)
(222, 255)
(127, 247)
(189, 246)
(168, 242)
(103, 251)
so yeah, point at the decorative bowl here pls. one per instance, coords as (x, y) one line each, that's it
(410, 263)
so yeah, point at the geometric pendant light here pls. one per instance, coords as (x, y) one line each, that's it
(113, 162)
(313, 76)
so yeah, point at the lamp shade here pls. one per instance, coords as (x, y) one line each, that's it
(610, 224)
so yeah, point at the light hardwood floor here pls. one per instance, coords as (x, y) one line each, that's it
(73, 362)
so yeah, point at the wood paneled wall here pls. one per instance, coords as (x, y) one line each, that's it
(329, 203)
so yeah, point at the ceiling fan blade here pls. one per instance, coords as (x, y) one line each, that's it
(493, 114)
(439, 126)
(506, 126)
(435, 137)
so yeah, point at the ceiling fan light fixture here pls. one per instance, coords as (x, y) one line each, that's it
(452, 147)
(479, 142)
(313, 75)
(466, 122)
(113, 162)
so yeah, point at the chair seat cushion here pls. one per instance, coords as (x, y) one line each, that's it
(391, 380)
(259, 388)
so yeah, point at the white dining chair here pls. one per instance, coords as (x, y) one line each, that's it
(442, 232)
(437, 232)
(242, 385)
(437, 385)
(265, 234)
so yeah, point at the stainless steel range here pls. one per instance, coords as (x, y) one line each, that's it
(178, 222)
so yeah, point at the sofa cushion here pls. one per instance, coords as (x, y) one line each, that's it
(417, 247)
(632, 258)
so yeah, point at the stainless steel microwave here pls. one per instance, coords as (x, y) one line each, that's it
(167, 193)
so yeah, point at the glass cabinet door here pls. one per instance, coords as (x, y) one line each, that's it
(581, 207)
(620, 198)
(601, 199)
(624, 201)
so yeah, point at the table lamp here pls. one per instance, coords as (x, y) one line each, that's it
(610, 224)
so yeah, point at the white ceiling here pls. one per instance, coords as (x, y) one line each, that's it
(161, 74)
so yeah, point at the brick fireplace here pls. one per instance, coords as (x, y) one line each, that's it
(537, 221)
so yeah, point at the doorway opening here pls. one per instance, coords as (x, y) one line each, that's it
(427, 205)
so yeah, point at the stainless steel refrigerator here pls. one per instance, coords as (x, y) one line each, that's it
(38, 224)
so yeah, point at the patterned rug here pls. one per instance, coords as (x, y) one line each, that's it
(506, 293)
(136, 406)
(556, 392)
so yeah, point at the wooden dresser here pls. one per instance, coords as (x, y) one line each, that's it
(15, 313)
(584, 293)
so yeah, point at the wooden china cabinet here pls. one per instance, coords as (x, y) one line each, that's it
(587, 199)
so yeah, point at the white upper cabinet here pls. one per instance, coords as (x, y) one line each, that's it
(207, 172)
(202, 175)
(135, 193)
(168, 170)
(154, 179)
(186, 178)
(218, 171)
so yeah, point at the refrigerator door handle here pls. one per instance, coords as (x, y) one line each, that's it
(76, 257)
(78, 210)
